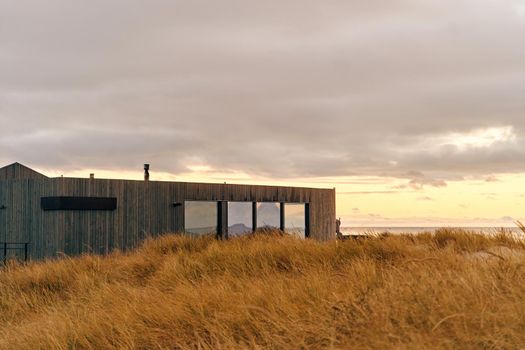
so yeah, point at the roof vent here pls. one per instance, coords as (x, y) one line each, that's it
(146, 172)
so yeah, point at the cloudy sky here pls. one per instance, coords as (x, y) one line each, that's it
(414, 110)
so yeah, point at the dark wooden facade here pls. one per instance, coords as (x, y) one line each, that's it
(19, 171)
(144, 208)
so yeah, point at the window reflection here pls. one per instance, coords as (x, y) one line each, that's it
(200, 217)
(268, 215)
(294, 219)
(239, 218)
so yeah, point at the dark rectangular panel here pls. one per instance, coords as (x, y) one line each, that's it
(254, 216)
(307, 220)
(282, 218)
(79, 203)
(222, 224)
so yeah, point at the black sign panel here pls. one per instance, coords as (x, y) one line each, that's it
(79, 203)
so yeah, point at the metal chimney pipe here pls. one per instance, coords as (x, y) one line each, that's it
(146, 172)
(91, 176)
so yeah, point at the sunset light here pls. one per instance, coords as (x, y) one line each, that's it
(481, 138)
(262, 174)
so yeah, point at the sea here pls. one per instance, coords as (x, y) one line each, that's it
(413, 230)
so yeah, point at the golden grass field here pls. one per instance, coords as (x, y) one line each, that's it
(449, 290)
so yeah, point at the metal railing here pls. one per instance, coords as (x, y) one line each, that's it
(17, 246)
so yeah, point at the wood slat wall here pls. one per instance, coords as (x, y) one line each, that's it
(143, 209)
(19, 171)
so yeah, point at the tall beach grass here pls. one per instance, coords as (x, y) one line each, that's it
(449, 289)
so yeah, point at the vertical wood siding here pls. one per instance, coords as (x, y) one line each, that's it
(143, 209)
(19, 171)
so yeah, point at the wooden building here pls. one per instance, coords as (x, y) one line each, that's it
(71, 216)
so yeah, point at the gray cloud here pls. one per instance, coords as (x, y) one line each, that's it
(295, 88)
(418, 181)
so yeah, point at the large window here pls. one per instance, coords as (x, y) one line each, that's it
(240, 219)
(268, 215)
(294, 219)
(200, 217)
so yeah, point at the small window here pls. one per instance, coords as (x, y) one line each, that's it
(294, 219)
(268, 215)
(240, 219)
(200, 217)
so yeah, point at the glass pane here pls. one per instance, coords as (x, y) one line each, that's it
(239, 218)
(268, 215)
(200, 217)
(294, 219)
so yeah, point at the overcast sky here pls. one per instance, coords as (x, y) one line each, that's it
(430, 91)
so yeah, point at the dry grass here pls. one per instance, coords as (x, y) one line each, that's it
(452, 289)
(521, 226)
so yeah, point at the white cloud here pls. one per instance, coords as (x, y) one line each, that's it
(480, 138)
